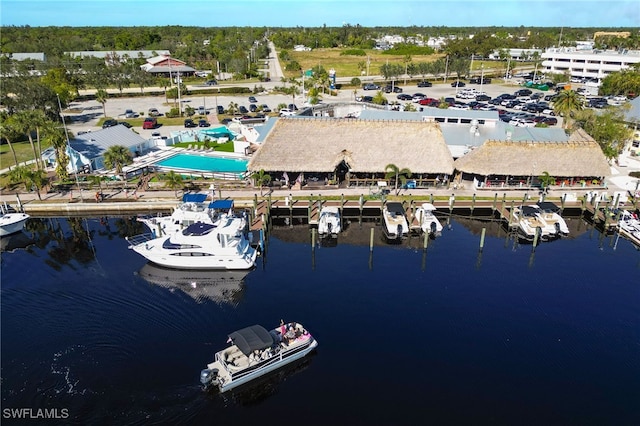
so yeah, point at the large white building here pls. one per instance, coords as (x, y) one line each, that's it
(589, 64)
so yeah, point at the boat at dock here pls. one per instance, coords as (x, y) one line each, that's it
(529, 224)
(224, 245)
(254, 352)
(629, 226)
(11, 222)
(427, 220)
(554, 223)
(193, 208)
(329, 223)
(395, 225)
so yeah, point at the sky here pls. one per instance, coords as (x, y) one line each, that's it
(316, 13)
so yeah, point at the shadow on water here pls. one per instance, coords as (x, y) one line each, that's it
(217, 286)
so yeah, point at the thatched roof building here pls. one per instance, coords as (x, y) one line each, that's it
(322, 144)
(581, 156)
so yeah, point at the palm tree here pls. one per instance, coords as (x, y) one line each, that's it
(173, 181)
(260, 178)
(58, 139)
(8, 132)
(546, 180)
(101, 97)
(232, 108)
(116, 157)
(394, 172)
(566, 104)
(36, 179)
(24, 125)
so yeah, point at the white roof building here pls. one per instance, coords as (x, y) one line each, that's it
(590, 64)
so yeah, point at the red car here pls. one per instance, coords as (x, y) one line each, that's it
(427, 101)
(150, 123)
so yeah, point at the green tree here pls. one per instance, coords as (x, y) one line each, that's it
(19, 174)
(260, 178)
(37, 180)
(25, 124)
(546, 180)
(9, 132)
(566, 104)
(607, 128)
(173, 181)
(116, 157)
(398, 175)
(379, 98)
(58, 139)
(102, 96)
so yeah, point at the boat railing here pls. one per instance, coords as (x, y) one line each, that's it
(140, 239)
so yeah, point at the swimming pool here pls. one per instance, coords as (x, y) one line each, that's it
(201, 163)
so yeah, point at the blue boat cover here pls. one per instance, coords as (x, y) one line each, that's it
(194, 198)
(221, 205)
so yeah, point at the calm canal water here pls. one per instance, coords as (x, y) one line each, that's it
(450, 336)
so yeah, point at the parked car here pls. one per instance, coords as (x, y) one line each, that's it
(550, 121)
(394, 89)
(253, 100)
(292, 107)
(202, 110)
(424, 84)
(265, 108)
(129, 114)
(203, 123)
(211, 83)
(220, 109)
(189, 123)
(150, 123)
(479, 80)
(286, 112)
(483, 98)
(109, 123)
(523, 92)
(371, 86)
(458, 84)
(153, 112)
(226, 121)
(253, 107)
(243, 109)
(404, 97)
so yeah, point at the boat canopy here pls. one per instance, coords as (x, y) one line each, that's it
(253, 338)
(194, 198)
(530, 210)
(395, 208)
(221, 205)
(548, 206)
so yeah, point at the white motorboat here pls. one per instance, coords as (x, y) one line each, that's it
(395, 225)
(427, 220)
(329, 223)
(254, 352)
(10, 223)
(222, 246)
(549, 214)
(629, 226)
(529, 223)
(193, 208)
(218, 286)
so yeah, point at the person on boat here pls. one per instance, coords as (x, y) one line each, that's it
(290, 335)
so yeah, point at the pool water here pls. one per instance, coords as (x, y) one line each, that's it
(201, 163)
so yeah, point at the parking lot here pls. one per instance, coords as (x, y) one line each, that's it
(87, 114)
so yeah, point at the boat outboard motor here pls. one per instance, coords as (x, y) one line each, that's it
(399, 232)
(433, 228)
(558, 229)
(208, 376)
(329, 227)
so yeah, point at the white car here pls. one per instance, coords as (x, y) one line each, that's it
(286, 112)
(129, 114)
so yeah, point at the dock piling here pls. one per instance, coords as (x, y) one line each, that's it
(371, 239)
(484, 231)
